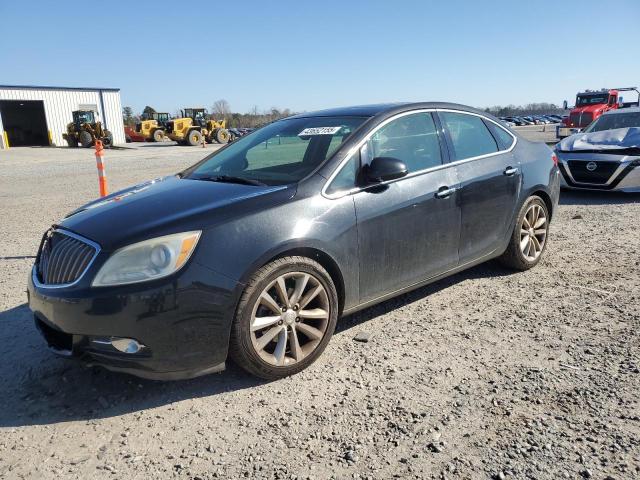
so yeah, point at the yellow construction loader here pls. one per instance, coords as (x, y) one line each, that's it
(85, 130)
(153, 126)
(193, 126)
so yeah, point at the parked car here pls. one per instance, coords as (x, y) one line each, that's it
(524, 121)
(606, 155)
(255, 251)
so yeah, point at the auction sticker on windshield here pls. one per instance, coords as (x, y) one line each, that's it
(319, 131)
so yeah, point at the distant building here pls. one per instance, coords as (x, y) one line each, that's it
(38, 116)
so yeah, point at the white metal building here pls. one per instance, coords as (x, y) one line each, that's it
(32, 115)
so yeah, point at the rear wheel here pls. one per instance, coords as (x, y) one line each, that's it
(194, 138)
(285, 318)
(85, 139)
(158, 135)
(529, 238)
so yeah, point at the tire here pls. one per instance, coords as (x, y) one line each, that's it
(243, 344)
(158, 135)
(85, 139)
(72, 142)
(127, 138)
(521, 257)
(194, 138)
(107, 140)
(221, 135)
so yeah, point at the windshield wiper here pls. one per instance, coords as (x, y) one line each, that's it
(232, 179)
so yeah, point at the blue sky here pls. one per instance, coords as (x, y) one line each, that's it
(309, 55)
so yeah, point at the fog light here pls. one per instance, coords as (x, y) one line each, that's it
(126, 345)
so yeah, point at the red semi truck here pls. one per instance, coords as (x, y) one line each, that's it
(590, 105)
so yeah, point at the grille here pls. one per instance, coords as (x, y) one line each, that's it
(600, 175)
(581, 120)
(63, 259)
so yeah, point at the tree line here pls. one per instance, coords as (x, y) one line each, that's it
(529, 109)
(220, 110)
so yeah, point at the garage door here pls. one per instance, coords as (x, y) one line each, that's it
(24, 122)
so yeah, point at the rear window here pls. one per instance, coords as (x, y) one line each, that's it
(469, 135)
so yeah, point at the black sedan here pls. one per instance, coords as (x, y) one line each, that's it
(257, 250)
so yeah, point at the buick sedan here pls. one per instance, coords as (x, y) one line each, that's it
(256, 251)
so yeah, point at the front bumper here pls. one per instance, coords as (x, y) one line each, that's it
(626, 178)
(183, 322)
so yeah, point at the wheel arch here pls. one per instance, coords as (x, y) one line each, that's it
(323, 258)
(546, 198)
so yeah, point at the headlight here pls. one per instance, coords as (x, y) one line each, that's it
(148, 260)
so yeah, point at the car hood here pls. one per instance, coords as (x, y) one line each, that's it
(616, 139)
(167, 205)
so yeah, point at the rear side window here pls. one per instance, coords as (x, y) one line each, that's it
(504, 138)
(469, 135)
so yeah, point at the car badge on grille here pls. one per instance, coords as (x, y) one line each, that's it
(591, 166)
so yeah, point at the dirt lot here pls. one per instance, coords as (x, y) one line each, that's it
(488, 374)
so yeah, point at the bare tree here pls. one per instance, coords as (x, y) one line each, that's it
(221, 109)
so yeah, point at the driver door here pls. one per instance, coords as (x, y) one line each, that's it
(408, 229)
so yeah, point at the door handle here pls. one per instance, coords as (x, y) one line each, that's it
(510, 171)
(445, 192)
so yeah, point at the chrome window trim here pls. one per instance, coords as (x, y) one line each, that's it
(34, 273)
(358, 146)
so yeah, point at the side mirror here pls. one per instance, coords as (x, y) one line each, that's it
(565, 105)
(382, 169)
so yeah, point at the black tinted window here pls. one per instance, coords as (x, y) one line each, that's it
(469, 135)
(504, 138)
(413, 139)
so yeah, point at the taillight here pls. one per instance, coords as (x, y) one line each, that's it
(554, 158)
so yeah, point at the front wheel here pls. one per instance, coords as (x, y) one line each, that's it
(529, 238)
(194, 138)
(85, 139)
(158, 135)
(221, 135)
(285, 318)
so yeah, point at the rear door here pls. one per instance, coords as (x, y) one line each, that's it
(489, 177)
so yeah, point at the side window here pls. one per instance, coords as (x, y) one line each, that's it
(505, 139)
(412, 139)
(469, 135)
(345, 179)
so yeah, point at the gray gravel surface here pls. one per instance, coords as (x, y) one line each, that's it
(487, 374)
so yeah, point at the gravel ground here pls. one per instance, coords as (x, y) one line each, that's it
(487, 374)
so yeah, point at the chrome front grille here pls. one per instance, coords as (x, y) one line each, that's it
(63, 258)
(581, 120)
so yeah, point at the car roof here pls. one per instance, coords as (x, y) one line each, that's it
(619, 111)
(384, 109)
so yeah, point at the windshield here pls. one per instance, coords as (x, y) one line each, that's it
(615, 120)
(281, 153)
(583, 100)
(84, 117)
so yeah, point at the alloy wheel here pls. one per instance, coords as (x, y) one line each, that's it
(533, 232)
(290, 318)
